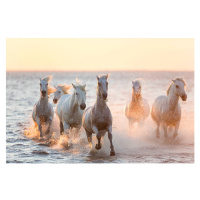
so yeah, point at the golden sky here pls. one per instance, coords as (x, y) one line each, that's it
(87, 54)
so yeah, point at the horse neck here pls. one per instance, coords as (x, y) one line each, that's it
(172, 100)
(44, 100)
(136, 100)
(100, 103)
(73, 102)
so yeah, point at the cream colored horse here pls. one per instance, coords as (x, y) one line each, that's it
(70, 109)
(166, 110)
(43, 111)
(138, 109)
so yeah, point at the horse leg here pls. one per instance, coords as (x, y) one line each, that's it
(48, 129)
(158, 130)
(112, 151)
(89, 137)
(176, 129)
(98, 135)
(66, 129)
(61, 128)
(39, 126)
(165, 130)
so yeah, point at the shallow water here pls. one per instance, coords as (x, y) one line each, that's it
(22, 145)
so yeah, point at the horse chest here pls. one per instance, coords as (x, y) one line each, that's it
(136, 111)
(101, 119)
(170, 116)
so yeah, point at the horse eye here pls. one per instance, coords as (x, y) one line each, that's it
(59, 91)
(177, 86)
(47, 83)
(76, 93)
(40, 84)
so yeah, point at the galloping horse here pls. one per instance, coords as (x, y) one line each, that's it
(138, 109)
(43, 111)
(166, 110)
(70, 109)
(98, 119)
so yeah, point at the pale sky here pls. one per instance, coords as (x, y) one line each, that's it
(109, 54)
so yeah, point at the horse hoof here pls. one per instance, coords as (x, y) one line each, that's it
(157, 136)
(112, 153)
(98, 147)
(175, 135)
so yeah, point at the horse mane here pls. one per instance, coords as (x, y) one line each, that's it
(50, 89)
(47, 78)
(177, 79)
(65, 88)
(81, 87)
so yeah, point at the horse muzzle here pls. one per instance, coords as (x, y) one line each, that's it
(184, 97)
(104, 95)
(55, 101)
(43, 93)
(83, 106)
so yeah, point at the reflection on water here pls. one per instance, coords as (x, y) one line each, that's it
(22, 138)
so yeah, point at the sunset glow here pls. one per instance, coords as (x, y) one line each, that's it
(93, 54)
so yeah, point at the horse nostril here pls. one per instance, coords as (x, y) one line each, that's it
(43, 92)
(104, 95)
(184, 97)
(55, 100)
(82, 106)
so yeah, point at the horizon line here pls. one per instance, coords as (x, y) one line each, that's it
(139, 70)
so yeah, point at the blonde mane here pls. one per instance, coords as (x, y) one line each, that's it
(81, 87)
(47, 78)
(177, 79)
(65, 88)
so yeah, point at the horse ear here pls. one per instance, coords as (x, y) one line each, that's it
(174, 81)
(73, 86)
(133, 82)
(84, 86)
(97, 78)
(108, 75)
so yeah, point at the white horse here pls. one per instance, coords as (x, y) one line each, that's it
(138, 109)
(98, 119)
(166, 110)
(70, 109)
(43, 111)
(61, 90)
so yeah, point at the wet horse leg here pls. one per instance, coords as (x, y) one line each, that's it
(165, 130)
(176, 129)
(158, 130)
(89, 137)
(61, 128)
(39, 126)
(112, 151)
(98, 135)
(48, 129)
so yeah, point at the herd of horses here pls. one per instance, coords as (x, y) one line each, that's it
(72, 113)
